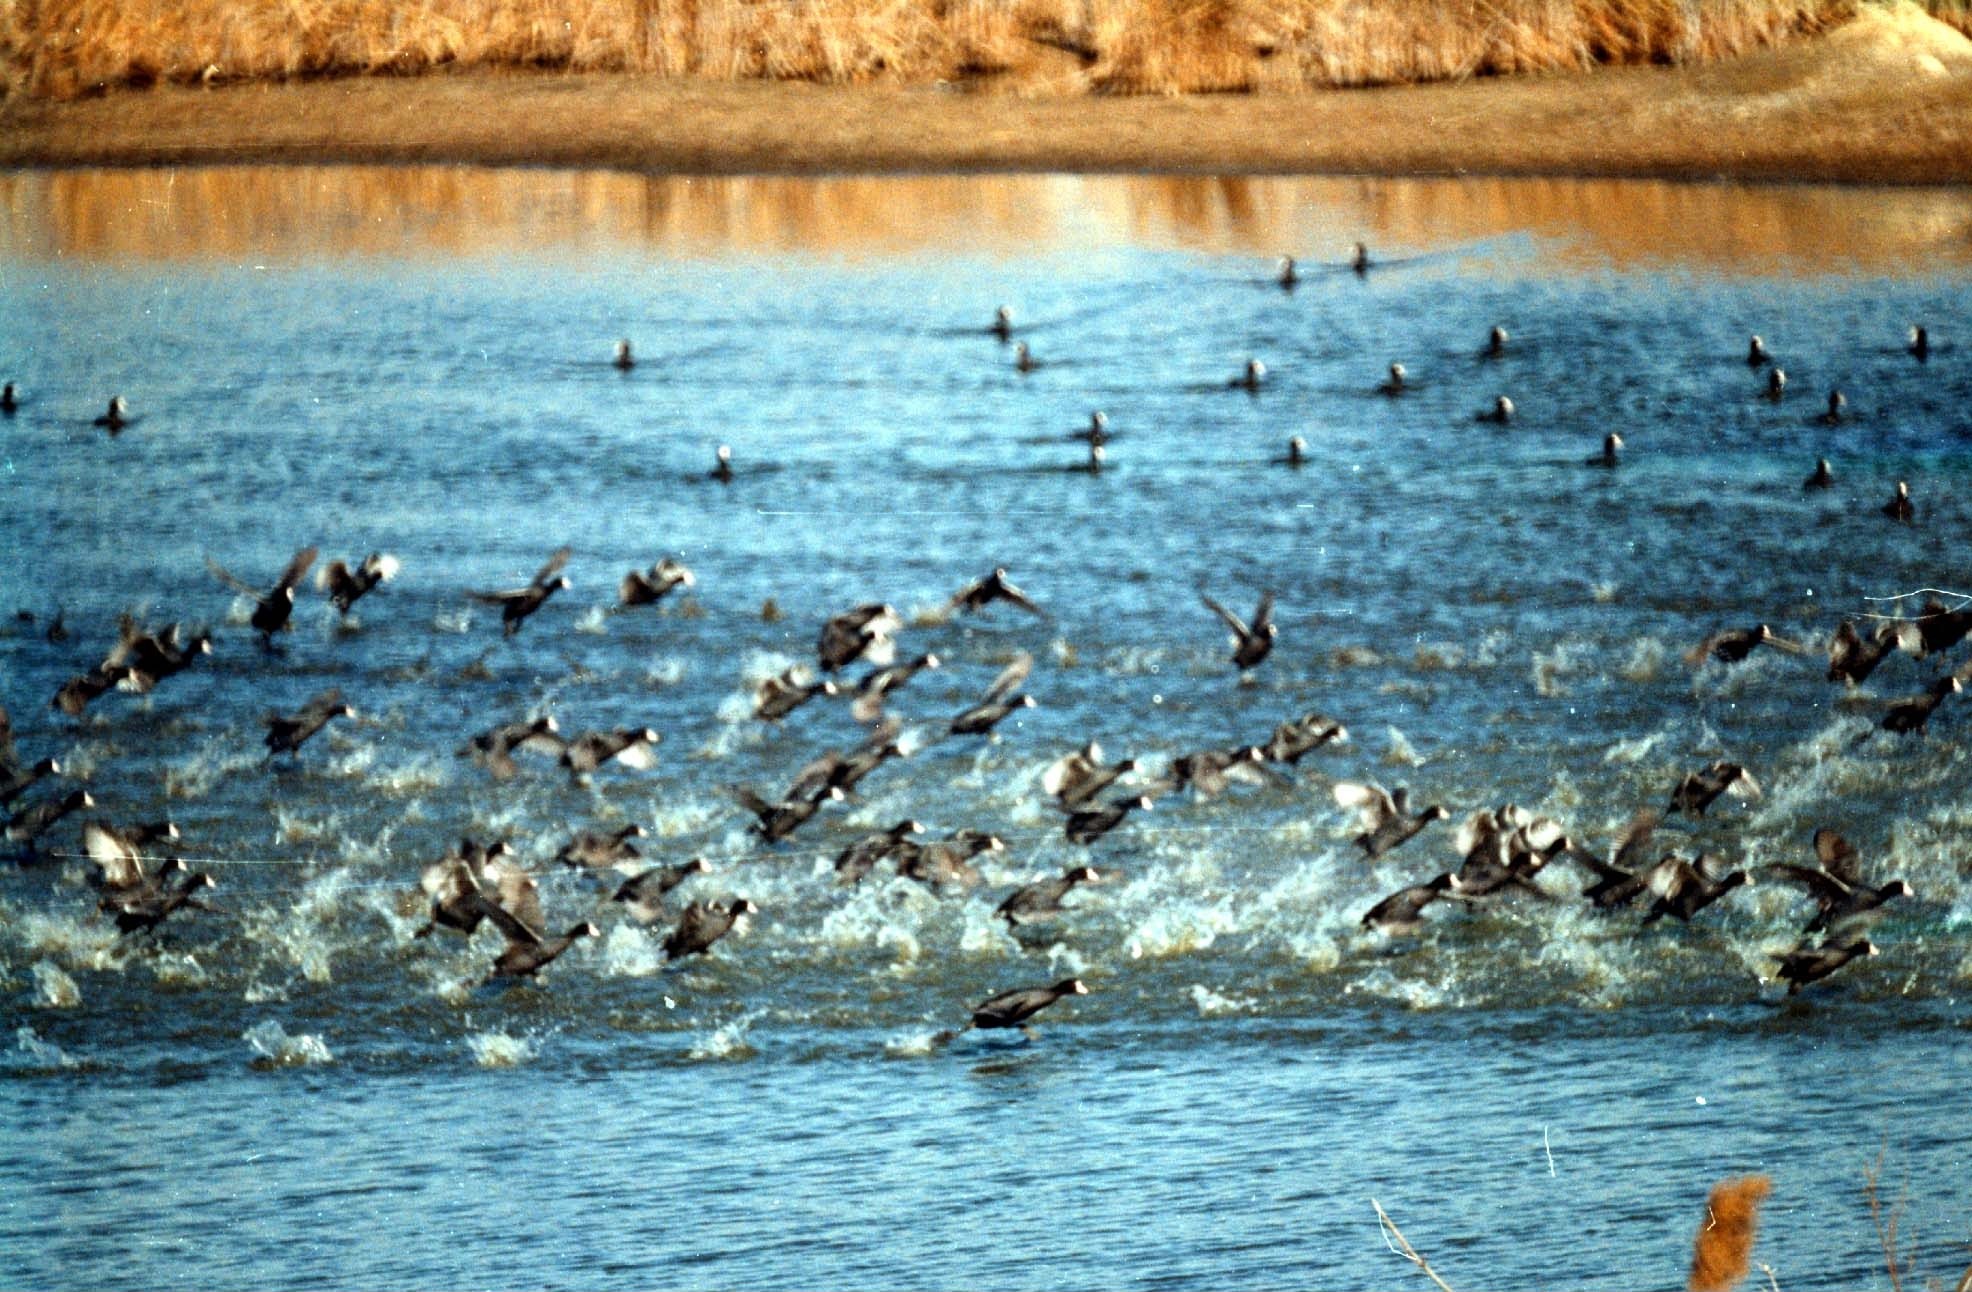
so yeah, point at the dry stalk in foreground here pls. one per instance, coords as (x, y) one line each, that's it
(1394, 1239)
(1723, 1252)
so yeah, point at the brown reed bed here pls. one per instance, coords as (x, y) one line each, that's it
(67, 48)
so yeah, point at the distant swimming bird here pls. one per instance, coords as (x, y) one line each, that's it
(1852, 657)
(878, 685)
(1098, 429)
(1910, 715)
(32, 821)
(981, 593)
(1756, 352)
(1612, 447)
(1074, 780)
(1395, 383)
(1014, 1008)
(1733, 645)
(495, 748)
(642, 895)
(1900, 508)
(273, 607)
(703, 924)
(1805, 964)
(1296, 738)
(1400, 914)
(853, 634)
(1685, 888)
(948, 860)
(632, 747)
(1844, 902)
(647, 587)
(1939, 628)
(1040, 901)
(1496, 342)
(1385, 815)
(856, 861)
(1002, 323)
(1297, 452)
(9, 401)
(1919, 343)
(1023, 358)
(1095, 462)
(517, 604)
(1776, 384)
(776, 821)
(287, 735)
(346, 586)
(1251, 642)
(623, 361)
(722, 469)
(1822, 478)
(1250, 379)
(1087, 826)
(1501, 413)
(597, 850)
(1837, 404)
(116, 417)
(1000, 700)
(776, 697)
(1359, 259)
(1698, 789)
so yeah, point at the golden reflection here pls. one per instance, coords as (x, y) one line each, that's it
(235, 213)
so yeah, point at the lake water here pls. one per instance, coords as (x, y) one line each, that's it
(293, 1091)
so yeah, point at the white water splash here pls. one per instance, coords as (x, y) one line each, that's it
(501, 1050)
(54, 989)
(45, 1055)
(273, 1047)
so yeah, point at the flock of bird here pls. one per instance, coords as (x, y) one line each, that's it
(1502, 851)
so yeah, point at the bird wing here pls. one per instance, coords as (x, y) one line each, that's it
(1823, 887)
(1010, 678)
(554, 565)
(1062, 770)
(319, 706)
(231, 580)
(519, 897)
(1233, 621)
(1263, 618)
(297, 568)
(1010, 593)
(1636, 837)
(518, 932)
(1837, 856)
(503, 597)
(1703, 650)
(113, 855)
(1668, 876)
(1743, 785)
(1370, 800)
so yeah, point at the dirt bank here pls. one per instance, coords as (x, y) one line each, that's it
(1887, 98)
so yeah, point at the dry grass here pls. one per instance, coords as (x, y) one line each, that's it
(1723, 1252)
(66, 48)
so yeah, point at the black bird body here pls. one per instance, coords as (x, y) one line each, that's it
(32, 821)
(119, 856)
(516, 604)
(1401, 913)
(495, 748)
(1900, 508)
(633, 747)
(776, 821)
(1939, 628)
(781, 695)
(286, 735)
(1041, 901)
(274, 607)
(643, 894)
(1251, 642)
(1852, 657)
(527, 952)
(1805, 964)
(464, 885)
(1685, 888)
(1014, 1008)
(142, 913)
(856, 861)
(999, 701)
(1387, 820)
(1844, 902)
(878, 685)
(16, 780)
(647, 587)
(984, 592)
(703, 924)
(1699, 789)
(1910, 715)
(1296, 738)
(600, 850)
(948, 860)
(1088, 826)
(1075, 780)
(347, 586)
(854, 633)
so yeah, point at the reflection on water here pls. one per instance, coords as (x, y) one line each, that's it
(306, 211)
